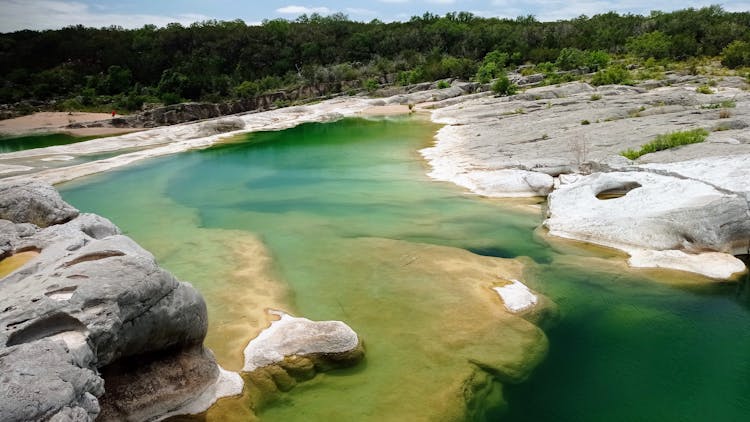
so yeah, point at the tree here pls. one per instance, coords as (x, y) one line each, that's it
(654, 44)
(736, 54)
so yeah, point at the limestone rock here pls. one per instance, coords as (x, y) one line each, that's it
(290, 336)
(31, 203)
(93, 300)
(655, 212)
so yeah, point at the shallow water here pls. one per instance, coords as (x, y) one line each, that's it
(338, 221)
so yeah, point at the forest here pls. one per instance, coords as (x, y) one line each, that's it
(78, 67)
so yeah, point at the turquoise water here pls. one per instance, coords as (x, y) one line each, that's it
(356, 232)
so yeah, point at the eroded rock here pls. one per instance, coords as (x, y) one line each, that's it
(93, 301)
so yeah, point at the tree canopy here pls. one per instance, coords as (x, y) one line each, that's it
(218, 59)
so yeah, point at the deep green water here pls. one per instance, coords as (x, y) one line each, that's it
(328, 199)
(20, 143)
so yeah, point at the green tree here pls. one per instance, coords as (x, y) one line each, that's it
(570, 58)
(736, 54)
(654, 44)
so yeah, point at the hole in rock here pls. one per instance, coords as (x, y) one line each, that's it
(93, 257)
(618, 191)
(45, 327)
(62, 294)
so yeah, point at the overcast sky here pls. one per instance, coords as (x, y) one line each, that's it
(52, 14)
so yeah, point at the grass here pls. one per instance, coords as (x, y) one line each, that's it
(704, 89)
(667, 141)
(595, 97)
(723, 104)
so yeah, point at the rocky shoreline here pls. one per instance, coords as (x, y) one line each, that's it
(685, 208)
(92, 328)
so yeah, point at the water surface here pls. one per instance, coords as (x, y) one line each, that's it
(338, 221)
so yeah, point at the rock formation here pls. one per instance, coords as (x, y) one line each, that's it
(293, 350)
(92, 326)
(684, 208)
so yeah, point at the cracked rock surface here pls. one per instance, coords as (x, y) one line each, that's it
(91, 309)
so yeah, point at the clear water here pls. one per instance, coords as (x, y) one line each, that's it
(338, 221)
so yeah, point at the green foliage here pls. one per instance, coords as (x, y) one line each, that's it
(492, 66)
(585, 122)
(612, 75)
(723, 104)
(654, 44)
(503, 86)
(736, 54)
(596, 60)
(214, 60)
(595, 97)
(704, 89)
(410, 77)
(666, 141)
(371, 85)
(571, 58)
(443, 85)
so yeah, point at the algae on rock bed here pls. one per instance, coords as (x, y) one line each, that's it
(352, 225)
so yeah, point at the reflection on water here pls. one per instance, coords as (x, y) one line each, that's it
(351, 229)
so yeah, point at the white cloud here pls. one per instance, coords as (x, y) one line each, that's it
(360, 12)
(303, 10)
(50, 14)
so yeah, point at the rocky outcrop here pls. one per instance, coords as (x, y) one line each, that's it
(689, 210)
(295, 349)
(677, 217)
(92, 325)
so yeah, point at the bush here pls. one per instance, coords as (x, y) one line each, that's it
(585, 122)
(736, 54)
(596, 60)
(443, 85)
(595, 97)
(704, 89)
(570, 58)
(652, 44)
(666, 141)
(371, 85)
(612, 75)
(503, 86)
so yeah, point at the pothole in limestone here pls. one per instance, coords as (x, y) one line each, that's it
(618, 191)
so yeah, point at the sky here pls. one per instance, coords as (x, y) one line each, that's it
(52, 14)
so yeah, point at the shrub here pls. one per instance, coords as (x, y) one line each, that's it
(612, 75)
(371, 85)
(666, 141)
(736, 54)
(704, 89)
(596, 60)
(570, 58)
(652, 44)
(596, 97)
(443, 85)
(585, 122)
(503, 86)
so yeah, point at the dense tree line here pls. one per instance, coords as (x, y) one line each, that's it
(216, 60)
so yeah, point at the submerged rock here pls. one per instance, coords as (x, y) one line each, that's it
(295, 349)
(92, 326)
(290, 336)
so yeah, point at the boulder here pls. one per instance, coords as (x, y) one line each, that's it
(36, 204)
(640, 210)
(332, 341)
(93, 301)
